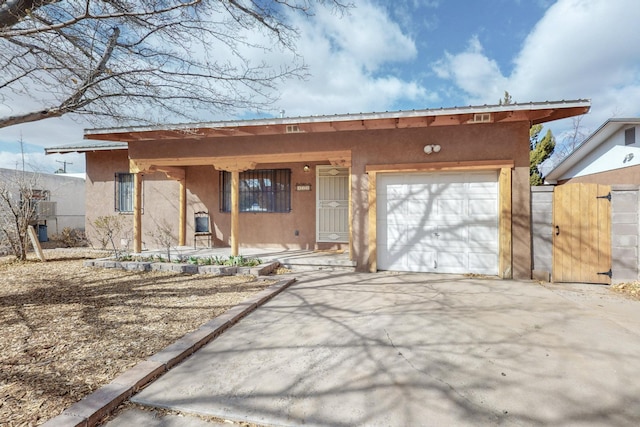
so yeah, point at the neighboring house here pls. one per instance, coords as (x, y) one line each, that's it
(439, 190)
(586, 227)
(611, 155)
(60, 199)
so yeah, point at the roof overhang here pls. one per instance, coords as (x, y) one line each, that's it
(533, 113)
(602, 134)
(83, 148)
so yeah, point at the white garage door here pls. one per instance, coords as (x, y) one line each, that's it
(438, 222)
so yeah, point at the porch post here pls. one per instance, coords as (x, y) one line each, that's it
(372, 225)
(505, 259)
(137, 212)
(182, 231)
(235, 208)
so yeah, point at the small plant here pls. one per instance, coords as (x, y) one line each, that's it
(241, 261)
(181, 259)
(106, 228)
(164, 236)
(70, 238)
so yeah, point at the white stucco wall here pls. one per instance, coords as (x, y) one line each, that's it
(610, 155)
(67, 191)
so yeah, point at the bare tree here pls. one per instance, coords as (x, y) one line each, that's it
(17, 211)
(121, 60)
(571, 139)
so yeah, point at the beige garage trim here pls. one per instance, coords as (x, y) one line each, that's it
(505, 255)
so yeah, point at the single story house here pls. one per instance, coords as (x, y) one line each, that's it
(610, 155)
(435, 190)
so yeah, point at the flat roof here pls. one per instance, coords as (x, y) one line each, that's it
(534, 112)
(116, 138)
(89, 146)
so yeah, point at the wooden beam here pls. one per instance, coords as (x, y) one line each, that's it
(234, 165)
(379, 124)
(239, 162)
(416, 122)
(172, 172)
(502, 115)
(235, 209)
(182, 227)
(373, 231)
(137, 212)
(348, 125)
(505, 257)
(134, 166)
(31, 232)
(441, 166)
(462, 118)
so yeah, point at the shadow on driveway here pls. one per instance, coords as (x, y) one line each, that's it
(344, 349)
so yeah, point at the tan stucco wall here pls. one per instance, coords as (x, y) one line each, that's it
(160, 198)
(630, 175)
(459, 143)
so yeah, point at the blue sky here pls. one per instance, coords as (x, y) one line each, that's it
(415, 54)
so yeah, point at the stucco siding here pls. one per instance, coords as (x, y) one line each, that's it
(628, 175)
(67, 193)
(468, 143)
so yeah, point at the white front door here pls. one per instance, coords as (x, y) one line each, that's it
(332, 204)
(438, 222)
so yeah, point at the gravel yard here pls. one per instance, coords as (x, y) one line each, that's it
(66, 329)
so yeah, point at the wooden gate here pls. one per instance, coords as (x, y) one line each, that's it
(582, 233)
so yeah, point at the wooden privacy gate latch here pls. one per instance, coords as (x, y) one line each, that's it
(608, 197)
(607, 273)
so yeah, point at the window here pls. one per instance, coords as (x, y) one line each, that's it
(630, 136)
(124, 192)
(33, 201)
(265, 190)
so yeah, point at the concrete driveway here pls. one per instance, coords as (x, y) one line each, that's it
(345, 349)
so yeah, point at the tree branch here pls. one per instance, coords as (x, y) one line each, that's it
(13, 11)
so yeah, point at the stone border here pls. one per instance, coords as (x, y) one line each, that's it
(219, 270)
(93, 408)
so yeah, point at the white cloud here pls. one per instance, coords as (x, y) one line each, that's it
(36, 136)
(473, 72)
(350, 59)
(38, 162)
(579, 49)
(367, 35)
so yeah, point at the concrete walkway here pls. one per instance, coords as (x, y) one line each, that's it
(345, 349)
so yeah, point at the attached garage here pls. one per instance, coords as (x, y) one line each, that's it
(438, 222)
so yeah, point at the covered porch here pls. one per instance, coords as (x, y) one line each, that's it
(176, 169)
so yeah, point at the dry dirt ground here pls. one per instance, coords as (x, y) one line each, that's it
(66, 330)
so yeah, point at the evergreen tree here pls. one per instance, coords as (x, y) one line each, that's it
(540, 150)
(507, 100)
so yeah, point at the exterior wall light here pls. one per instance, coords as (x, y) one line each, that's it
(306, 168)
(433, 148)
